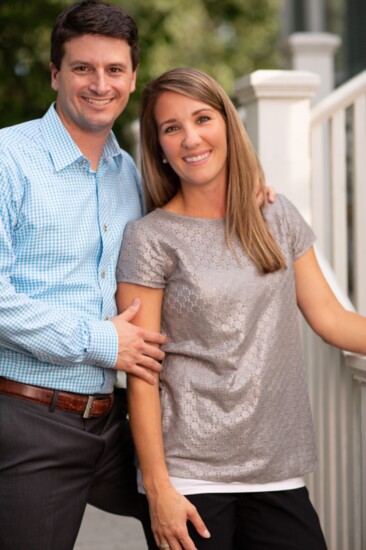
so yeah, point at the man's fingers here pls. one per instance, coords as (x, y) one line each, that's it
(149, 363)
(144, 374)
(138, 349)
(271, 193)
(131, 311)
(153, 337)
(148, 350)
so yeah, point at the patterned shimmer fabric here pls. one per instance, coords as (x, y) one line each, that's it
(61, 225)
(233, 391)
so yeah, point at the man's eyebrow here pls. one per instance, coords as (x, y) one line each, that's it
(89, 64)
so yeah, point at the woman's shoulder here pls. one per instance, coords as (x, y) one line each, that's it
(150, 229)
(151, 221)
(282, 210)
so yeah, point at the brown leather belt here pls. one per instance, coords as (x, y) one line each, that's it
(89, 406)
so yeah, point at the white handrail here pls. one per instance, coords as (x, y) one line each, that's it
(341, 98)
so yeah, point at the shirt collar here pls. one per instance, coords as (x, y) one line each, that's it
(62, 148)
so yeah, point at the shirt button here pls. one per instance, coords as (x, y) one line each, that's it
(102, 274)
(84, 162)
(106, 318)
(105, 228)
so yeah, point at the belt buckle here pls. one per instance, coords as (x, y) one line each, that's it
(88, 406)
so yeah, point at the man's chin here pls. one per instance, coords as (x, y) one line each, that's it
(97, 125)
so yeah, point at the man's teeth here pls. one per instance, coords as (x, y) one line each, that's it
(197, 158)
(98, 101)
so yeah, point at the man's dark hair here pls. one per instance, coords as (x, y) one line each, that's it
(93, 17)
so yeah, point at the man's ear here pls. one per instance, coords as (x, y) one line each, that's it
(133, 82)
(54, 77)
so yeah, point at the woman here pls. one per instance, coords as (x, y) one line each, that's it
(231, 427)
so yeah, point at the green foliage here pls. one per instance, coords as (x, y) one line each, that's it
(226, 38)
(25, 91)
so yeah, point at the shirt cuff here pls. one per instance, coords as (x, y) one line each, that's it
(102, 349)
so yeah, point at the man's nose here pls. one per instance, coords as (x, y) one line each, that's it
(99, 82)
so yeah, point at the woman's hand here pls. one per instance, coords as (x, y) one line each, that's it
(169, 513)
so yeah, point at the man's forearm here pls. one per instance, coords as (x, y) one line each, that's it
(36, 328)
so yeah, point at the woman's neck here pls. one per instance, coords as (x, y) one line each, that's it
(197, 204)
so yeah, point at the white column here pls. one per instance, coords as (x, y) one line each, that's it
(135, 132)
(315, 14)
(314, 52)
(277, 119)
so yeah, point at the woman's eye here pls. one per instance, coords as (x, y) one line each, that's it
(203, 118)
(170, 129)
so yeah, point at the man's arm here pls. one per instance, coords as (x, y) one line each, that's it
(37, 328)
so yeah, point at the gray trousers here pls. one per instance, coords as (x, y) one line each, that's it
(52, 464)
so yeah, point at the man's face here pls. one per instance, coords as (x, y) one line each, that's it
(93, 84)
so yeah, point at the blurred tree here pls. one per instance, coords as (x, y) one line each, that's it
(226, 38)
(25, 91)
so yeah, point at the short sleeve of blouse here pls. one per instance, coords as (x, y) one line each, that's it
(143, 259)
(301, 235)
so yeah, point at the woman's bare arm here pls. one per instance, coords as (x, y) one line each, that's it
(169, 510)
(327, 317)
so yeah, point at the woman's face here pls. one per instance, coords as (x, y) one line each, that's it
(193, 138)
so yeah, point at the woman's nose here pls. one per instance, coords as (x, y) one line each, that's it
(191, 139)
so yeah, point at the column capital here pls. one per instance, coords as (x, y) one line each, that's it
(265, 84)
(313, 43)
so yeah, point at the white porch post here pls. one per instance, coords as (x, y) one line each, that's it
(135, 132)
(314, 52)
(277, 119)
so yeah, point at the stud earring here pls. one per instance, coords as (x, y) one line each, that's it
(164, 160)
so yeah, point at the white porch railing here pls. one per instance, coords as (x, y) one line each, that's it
(338, 152)
(305, 153)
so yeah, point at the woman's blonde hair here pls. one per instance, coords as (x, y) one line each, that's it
(244, 218)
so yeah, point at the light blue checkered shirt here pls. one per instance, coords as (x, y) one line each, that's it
(61, 225)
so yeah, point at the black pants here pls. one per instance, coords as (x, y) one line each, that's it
(52, 464)
(278, 520)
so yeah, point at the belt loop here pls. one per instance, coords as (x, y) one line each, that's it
(54, 401)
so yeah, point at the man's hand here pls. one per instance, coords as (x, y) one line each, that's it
(263, 193)
(138, 353)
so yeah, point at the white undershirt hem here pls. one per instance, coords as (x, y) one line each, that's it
(199, 486)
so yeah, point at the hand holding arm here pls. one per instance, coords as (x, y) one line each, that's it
(137, 353)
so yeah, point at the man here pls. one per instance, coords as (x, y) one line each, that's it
(67, 192)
